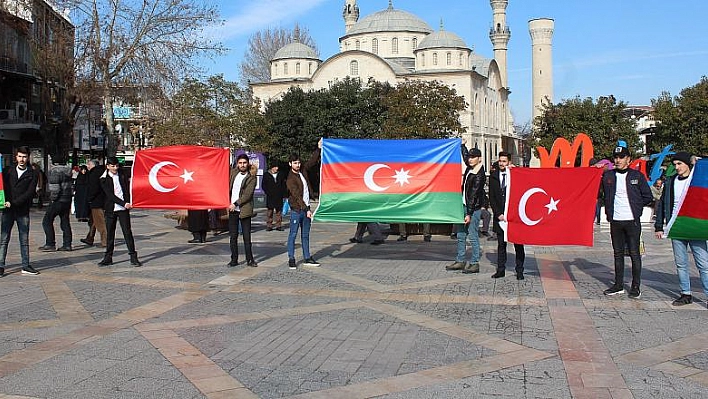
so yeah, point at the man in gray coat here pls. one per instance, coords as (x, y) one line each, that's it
(60, 193)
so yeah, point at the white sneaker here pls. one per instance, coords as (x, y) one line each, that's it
(310, 262)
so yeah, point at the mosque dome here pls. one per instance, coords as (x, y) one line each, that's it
(390, 20)
(295, 50)
(441, 39)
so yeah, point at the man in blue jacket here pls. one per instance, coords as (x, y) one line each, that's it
(626, 193)
(20, 183)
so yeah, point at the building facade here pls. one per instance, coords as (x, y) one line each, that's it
(394, 45)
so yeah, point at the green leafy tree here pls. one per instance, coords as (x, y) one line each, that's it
(213, 112)
(601, 120)
(420, 109)
(682, 120)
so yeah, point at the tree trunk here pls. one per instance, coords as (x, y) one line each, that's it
(111, 141)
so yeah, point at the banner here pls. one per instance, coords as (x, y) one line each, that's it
(181, 177)
(552, 206)
(391, 181)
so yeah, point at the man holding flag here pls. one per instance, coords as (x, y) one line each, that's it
(675, 190)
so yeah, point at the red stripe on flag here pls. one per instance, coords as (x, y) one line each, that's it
(391, 178)
(695, 205)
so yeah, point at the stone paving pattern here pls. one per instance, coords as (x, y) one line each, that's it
(372, 322)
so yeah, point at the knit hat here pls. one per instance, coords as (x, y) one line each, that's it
(682, 156)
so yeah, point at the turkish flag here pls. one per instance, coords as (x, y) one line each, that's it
(552, 206)
(181, 177)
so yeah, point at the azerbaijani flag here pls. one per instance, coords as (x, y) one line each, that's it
(2, 187)
(391, 181)
(691, 220)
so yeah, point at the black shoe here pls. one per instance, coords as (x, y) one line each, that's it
(634, 292)
(105, 262)
(135, 262)
(519, 276)
(279, 228)
(426, 238)
(66, 249)
(453, 236)
(291, 264)
(2, 272)
(195, 241)
(614, 290)
(377, 242)
(484, 234)
(252, 263)
(491, 238)
(402, 238)
(683, 300)
(269, 229)
(355, 240)
(311, 262)
(87, 242)
(233, 263)
(498, 274)
(47, 248)
(29, 270)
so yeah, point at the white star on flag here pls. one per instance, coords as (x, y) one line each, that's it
(402, 177)
(187, 176)
(552, 206)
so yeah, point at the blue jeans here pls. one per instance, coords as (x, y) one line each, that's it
(8, 220)
(700, 256)
(299, 220)
(470, 230)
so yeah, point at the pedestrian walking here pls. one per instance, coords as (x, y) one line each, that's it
(20, 183)
(96, 201)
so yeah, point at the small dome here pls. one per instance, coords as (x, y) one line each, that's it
(390, 20)
(295, 50)
(442, 39)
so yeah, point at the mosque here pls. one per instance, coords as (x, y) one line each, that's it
(393, 45)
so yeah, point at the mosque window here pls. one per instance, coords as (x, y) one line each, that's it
(461, 59)
(449, 58)
(357, 45)
(297, 68)
(275, 69)
(354, 68)
(375, 46)
(435, 58)
(309, 68)
(285, 68)
(422, 60)
(415, 43)
(394, 45)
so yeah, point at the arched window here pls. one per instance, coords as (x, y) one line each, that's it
(422, 60)
(309, 68)
(415, 43)
(394, 45)
(435, 58)
(275, 69)
(354, 68)
(460, 59)
(375, 46)
(357, 45)
(285, 68)
(297, 68)
(449, 58)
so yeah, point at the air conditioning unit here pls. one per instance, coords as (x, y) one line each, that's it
(7, 114)
(20, 108)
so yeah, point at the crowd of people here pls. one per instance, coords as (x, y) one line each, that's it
(102, 198)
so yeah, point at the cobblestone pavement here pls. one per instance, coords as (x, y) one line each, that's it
(373, 321)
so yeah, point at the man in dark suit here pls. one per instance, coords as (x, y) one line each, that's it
(96, 199)
(498, 181)
(117, 210)
(20, 183)
(274, 188)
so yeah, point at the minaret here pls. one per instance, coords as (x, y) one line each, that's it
(350, 14)
(500, 34)
(541, 31)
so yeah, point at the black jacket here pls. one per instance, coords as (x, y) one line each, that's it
(638, 192)
(666, 204)
(497, 198)
(96, 197)
(473, 190)
(107, 186)
(19, 191)
(274, 189)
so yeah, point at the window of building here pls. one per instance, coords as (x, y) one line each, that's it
(357, 45)
(422, 60)
(375, 46)
(461, 59)
(297, 68)
(415, 43)
(449, 58)
(275, 69)
(394, 45)
(354, 68)
(285, 68)
(435, 58)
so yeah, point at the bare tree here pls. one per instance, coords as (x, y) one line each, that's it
(262, 47)
(122, 43)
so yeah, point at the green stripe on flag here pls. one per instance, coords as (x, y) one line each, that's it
(687, 228)
(391, 208)
(2, 198)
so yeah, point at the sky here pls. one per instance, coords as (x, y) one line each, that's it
(632, 49)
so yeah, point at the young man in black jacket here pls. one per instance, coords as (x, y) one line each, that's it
(116, 209)
(20, 183)
(626, 193)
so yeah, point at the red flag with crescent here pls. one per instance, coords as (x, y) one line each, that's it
(552, 206)
(181, 177)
